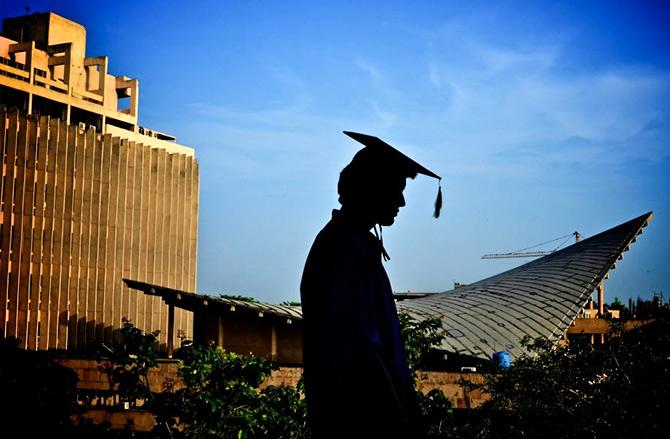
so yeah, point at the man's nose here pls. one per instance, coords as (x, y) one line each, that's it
(402, 200)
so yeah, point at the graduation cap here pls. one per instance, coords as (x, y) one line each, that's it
(382, 154)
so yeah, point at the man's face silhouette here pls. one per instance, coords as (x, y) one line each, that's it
(389, 200)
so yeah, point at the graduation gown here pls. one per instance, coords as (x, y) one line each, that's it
(357, 383)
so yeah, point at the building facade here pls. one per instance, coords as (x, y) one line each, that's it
(87, 196)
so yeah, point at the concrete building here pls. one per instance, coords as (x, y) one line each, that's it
(88, 196)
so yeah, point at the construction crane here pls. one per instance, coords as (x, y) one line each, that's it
(523, 253)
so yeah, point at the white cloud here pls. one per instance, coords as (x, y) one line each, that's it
(369, 68)
(497, 60)
(522, 100)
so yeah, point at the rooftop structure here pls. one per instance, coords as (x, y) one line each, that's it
(44, 70)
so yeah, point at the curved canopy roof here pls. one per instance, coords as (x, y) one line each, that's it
(540, 298)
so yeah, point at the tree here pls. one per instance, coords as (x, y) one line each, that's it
(618, 390)
(238, 297)
(221, 397)
(420, 339)
(130, 362)
(618, 305)
(290, 303)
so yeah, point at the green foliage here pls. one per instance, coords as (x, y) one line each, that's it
(221, 397)
(281, 413)
(220, 393)
(290, 303)
(420, 339)
(237, 297)
(130, 361)
(618, 390)
(656, 308)
(616, 305)
(436, 413)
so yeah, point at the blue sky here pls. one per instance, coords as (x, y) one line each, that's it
(543, 118)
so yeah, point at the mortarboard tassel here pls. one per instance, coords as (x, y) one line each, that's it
(438, 200)
(380, 239)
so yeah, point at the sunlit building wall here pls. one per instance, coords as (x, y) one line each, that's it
(88, 197)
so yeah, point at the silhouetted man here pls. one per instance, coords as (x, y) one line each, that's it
(357, 382)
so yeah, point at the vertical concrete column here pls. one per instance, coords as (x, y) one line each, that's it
(104, 68)
(601, 299)
(67, 70)
(30, 53)
(134, 100)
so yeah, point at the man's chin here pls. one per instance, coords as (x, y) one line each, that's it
(386, 222)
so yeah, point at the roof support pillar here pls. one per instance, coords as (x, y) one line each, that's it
(601, 299)
(170, 334)
(219, 341)
(274, 341)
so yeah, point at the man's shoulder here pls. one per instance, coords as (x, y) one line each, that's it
(334, 235)
(339, 241)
